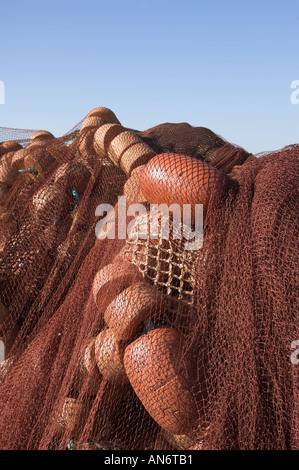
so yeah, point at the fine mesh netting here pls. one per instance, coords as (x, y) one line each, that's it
(133, 341)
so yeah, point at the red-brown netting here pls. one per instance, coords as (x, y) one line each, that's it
(137, 342)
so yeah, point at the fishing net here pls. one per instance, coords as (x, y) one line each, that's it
(128, 340)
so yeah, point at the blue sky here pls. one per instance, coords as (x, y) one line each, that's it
(223, 64)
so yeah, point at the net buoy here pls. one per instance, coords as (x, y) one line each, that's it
(111, 280)
(179, 441)
(7, 173)
(93, 121)
(41, 135)
(104, 113)
(146, 248)
(39, 159)
(121, 143)
(85, 147)
(74, 174)
(178, 179)
(109, 357)
(9, 146)
(87, 375)
(135, 156)
(49, 203)
(158, 375)
(69, 411)
(104, 135)
(17, 161)
(132, 189)
(131, 308)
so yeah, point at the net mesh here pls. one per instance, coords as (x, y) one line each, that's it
(136, 342)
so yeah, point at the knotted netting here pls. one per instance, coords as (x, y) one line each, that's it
(136, 342)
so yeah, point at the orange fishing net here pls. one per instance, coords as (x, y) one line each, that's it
(135, 342)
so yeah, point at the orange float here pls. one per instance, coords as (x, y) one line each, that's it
(74, 174)
(69, 411)
(121, 143)
(158, 375)
(179, 441)
(104, 135)
(41, 135)
(111, 280)
(9, 146)
(135, 156)
(132, 189)
(171, 178)
(109, 357)
(104, 113)
(7, 173)
(131, 308)
(39, 159)
(87, 374)
(17, 161)
(72, 419)
(84, 142)
(47, 201)
(93, 121)
(146, 247)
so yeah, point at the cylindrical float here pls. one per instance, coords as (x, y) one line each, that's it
(49, 203)
(104, 135)
(135, 156)
(146, 248)
(87, 375)
(121, 143)
(69, 410)
(38, 159)
(72, 419)
(84, 142)
(41, 135)
(111, 280)
(17, 161)
(131, 308)
(132, 189)
(9, 146)
(109, 357)
(93, 121)
(104, 113)
(75, 174)
(7, 173)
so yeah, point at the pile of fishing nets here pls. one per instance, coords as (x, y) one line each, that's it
(118, 339)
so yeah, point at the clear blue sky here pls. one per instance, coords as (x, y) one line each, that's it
(223, 64)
